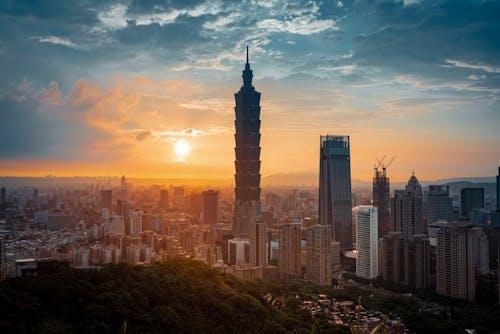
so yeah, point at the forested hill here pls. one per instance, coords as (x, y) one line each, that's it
(179, 296)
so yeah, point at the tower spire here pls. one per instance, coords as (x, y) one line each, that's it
(247, 74)
(247, 54)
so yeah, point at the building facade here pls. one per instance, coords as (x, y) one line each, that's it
(382, 200)
(366, 241)
(335, 198)
(439, 205)
(319, 254)
(470, 198)
(407, 209)
(210, 207)
(289, 253)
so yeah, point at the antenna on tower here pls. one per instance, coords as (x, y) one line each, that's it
(247, 54)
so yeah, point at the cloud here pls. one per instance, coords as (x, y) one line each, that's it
(57, 41)
(461, 64)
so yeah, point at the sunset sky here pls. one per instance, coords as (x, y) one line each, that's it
(110, 88)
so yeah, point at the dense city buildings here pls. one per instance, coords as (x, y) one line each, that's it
(210, 207)
(381, 200)
(407, 209)
(290, 257)
(335, 201)
(470, 199)
(366, 241)
(439, 205)
(319, 254)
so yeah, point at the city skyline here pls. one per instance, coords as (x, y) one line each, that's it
(119, 93)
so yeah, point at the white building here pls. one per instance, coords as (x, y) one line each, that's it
(366, 241)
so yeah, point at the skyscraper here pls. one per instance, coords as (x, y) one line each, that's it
(407, 209)
(179, 198)
(164, 199)
(439, 204)
(470, 198)
(289, 255)
(406, 260)
(248, 220)
(123, 188)
(457, 251)
(210, 207)
(106, 199)
(319, 254)
(498, 190)
(335, 198)
(366, 241)
(381, 200)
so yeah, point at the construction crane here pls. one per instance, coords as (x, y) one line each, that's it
(380, 162)
(389, 163)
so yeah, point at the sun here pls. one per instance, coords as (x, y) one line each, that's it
(181, 149)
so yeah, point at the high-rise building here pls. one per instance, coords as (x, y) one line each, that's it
(164, 199)
(407, 209)
(123, 189)
(335, 201)
(210, 207)
(458, 259)
(179, 198)
(238, 251)
(289, 254)
(382, 200)
(106, 199)
(366, 241)
(319, 254)
(406, 260)
(135, 223)
(439, 205)
(123, 209)
(248, 221)
(498, 190)
(470, 198)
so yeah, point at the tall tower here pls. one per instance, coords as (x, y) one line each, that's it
(335, 199)
(407, 209)
(498, 190)
(367, 241)
(248, 220)
(382, 200)
(210, 207)
(123, 188)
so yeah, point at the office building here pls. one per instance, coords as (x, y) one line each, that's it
(460, 255)
(335, 201)
(406, 260)
(407, 209)
(210, 207)
(319, 254)
(498, 190)
(238, 251)
(366, 241)
(439, 205)
(123, 189)
(178, 198)
(164, 199)
(123, 209)
(382, 201)
(106, 199)
(470, 198)
(248, 220)
(289, 254)
(135, 223)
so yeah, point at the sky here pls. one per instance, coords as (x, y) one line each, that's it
(146, 88)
